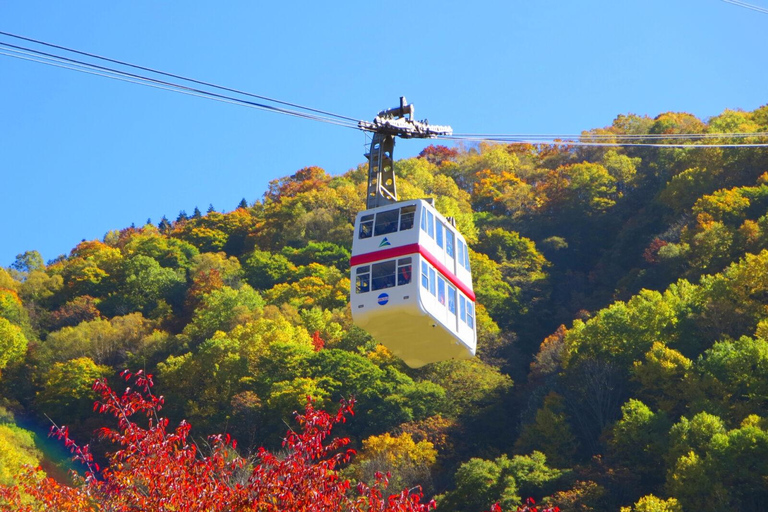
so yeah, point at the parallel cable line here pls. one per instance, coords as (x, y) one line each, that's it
(747, 6)
(180, 77)
(93, 69)
(585, 139)
(561, 142)
(612, 136)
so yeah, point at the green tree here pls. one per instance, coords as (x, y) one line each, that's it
(549, 433)
(28, 262)
(481, 483)
(651, 503)
(13, 343)
(666, 378)
(264, 269)
(638, 441)
(103, 341)
(17, 450)
(222, 310)
(735, 375)
(66, 396)
(407, 462)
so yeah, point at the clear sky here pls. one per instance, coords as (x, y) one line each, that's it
(81, 155)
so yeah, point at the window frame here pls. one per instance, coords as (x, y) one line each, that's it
(363, 274)
(366, 220)
(386, 280)
(386, 227)
(404, 271)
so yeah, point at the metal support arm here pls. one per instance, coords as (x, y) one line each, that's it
(382, 188)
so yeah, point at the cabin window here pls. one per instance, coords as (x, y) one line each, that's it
(470, 314)
(466, 258)
(441, 290)
(366, 226)
(424, 220)
(430, 224)
(432, 281)
(463, 308)
(406, 217)
(439, 232)
(449, 242)
(404, 271)
(383, 275)
(386, 222)
(452, 299)
(460, 251)
(363, 279)
(425, 275)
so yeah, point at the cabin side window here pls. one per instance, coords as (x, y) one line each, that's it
(404, 271)
(386, 222)
(366, 226)
(470, 314)
(466, 258)
(452, 299)
(425, 275)
(407, 214)
(463, 308)
(460, 251)
(441, 290)
(432, 281)
(449, 242)
(363, 279)
(430, 224)
(439, 233)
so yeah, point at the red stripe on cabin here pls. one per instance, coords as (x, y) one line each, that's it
(386, 254)
(396, 252)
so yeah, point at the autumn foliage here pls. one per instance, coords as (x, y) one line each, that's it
(158, 468)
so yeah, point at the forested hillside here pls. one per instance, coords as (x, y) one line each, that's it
(622, 326)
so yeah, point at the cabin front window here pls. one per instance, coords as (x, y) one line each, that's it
(386, 222)
(383, 275)
(363, 279)
(366, 226)
(407, 214)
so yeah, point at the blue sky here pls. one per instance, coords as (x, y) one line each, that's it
(81, 155)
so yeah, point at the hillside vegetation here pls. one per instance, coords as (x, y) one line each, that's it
(622, 322)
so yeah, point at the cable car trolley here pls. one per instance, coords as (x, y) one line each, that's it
(410, 274)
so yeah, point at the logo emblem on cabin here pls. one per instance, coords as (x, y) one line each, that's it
(384, 242)
(383, 299)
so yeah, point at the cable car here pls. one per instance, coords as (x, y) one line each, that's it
(410, 276)
(412, 284)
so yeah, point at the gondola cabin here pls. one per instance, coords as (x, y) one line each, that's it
(412, 284)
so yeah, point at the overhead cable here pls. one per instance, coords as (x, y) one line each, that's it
(93, 69)
(747, 6)
(180, 77)
(584, 139)
(565, 142)
(609, 136)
